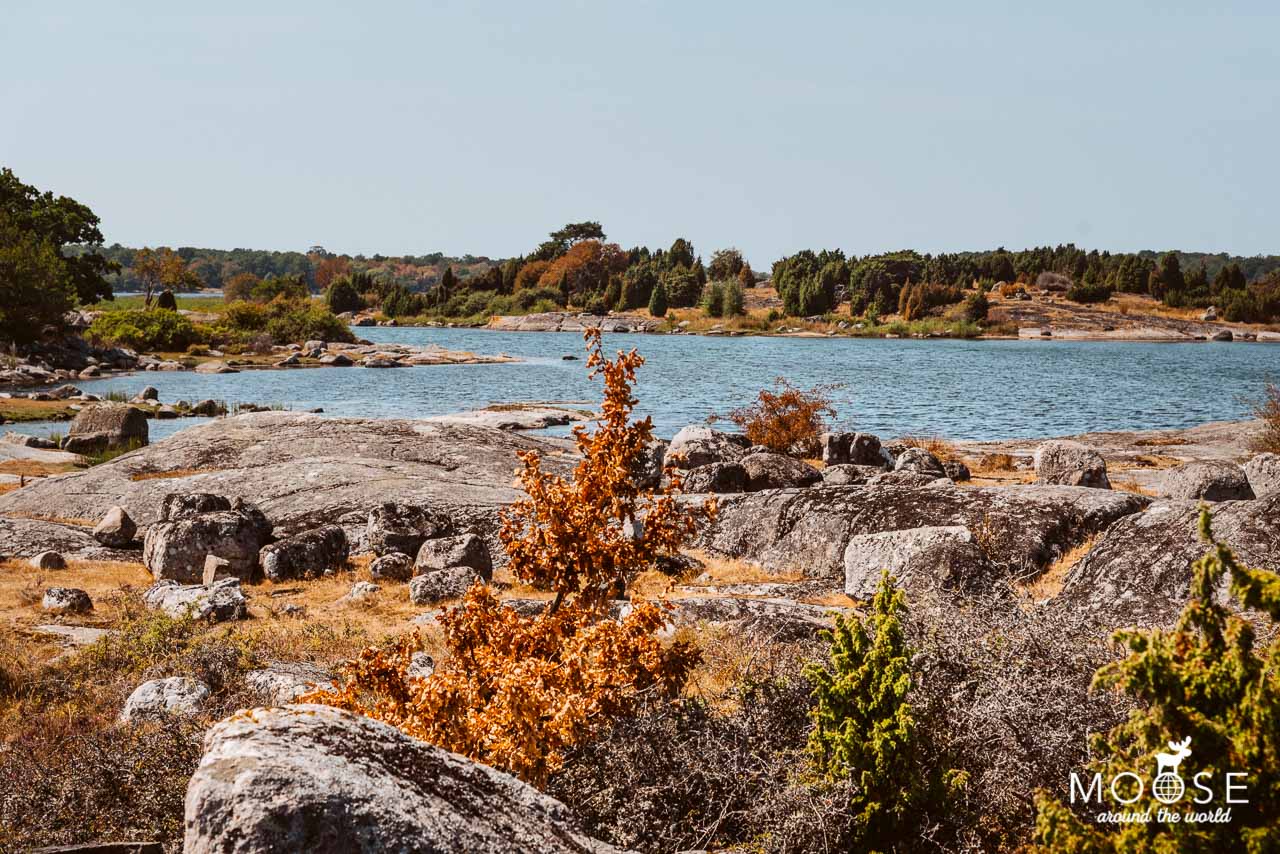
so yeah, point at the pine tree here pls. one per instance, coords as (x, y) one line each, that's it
(1203, 680)
(864, 730)
(731, 305)
(658, 301)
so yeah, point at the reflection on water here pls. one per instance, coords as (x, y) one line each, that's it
(957, 389)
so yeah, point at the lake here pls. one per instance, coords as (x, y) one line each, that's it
(955, 389)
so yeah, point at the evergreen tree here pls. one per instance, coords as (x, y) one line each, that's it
(733, 300)
(658, 300)
(864, 730)
(713, 299)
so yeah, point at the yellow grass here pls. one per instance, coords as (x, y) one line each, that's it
(25, 409)
(61, 520)
(1132, 486)
(720, 570)
(936, 445)
(1049, 583)
(165, 475)
(34, 468)
(22, 587)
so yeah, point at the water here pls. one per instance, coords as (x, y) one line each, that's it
(956, 389)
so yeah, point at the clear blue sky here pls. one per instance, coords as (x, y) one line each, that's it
(476, 127)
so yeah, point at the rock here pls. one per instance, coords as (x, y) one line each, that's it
(402, 528)
(648, 472)
(66, 600)
(314, 344)
(167, 413)
(956, 470)
(1223, 335)
(305, 471)
(920, 461)
(215, 569)
(315, 778)
(209, 408)
(1070, 464)
(436, 586)
(75, 636)
(48, 560)
(322, 551)
(910, 478)
(337, 360)
(290, 361)
(177, 695)
(767, 470)
(1140, 570)
(447, 552)
(106, 426)
(219, 602)
(149, 393)
(65, 392)
(1210, 480)
(846, 474)
(523, 416)
(696, 446)
(393, 565)
(1263, 472)
(362, 591)
(25, 441)
(715, 477)
(807, 530)
(215, 367)
(381, 362)
(177, 549)
(919, 558)
(1210, 314)
(187, 505)
(861, 449)
(282, 682)
(420, 666)
(116, 530)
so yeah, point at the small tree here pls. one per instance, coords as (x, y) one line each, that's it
(517, 691)
(342, 296)
(713, 299)
(731, 303)
(787, 420)
(1203, 681)
(658, 300)
(864, 730)
(162, 268)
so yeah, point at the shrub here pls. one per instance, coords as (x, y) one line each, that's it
(976, 307)
(298, 323)
(1268, 411)
(713, 299)
(242, 316)
(658, 300)
(529, 299)
(1203, 681)
(143, 329)
(864, 730)
(787, 420)
(1089, 292)
(732, 305)
(518, 692)
(342, 296)
(167, 300)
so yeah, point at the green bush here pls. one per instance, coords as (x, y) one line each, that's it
(140, 329)
(658, 300)
(342, 296)
(713, 299)
(1204, 681)
(976, 307)
(732, 304)
(303, 323)
(529, 298)
(1089, 292)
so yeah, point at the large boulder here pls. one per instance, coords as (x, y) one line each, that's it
(1210, 480)
(106, 426)
(177, 695)
(806, 530)
(322, 551)
(945, 557)
(116, 530)
(184, 505)
(216, 602)
(402, 528)
(1070, 464)
(767, 470)
(449, 552)
(440, 584)
(715, 477)
(861, 449)
(1140, 571)
(315, 778)
(282, 682)
(920, 461)
(1263, 472)
(177, 550)
(393, 565)
(696, 446)
(849, 474)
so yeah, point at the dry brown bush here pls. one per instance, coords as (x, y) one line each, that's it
(1268, 410)
(517, 692)
(787, 420)
(936, 445)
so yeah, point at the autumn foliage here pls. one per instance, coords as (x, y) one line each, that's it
(787, 419)
(517, 691)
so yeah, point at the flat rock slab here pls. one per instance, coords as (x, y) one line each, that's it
(517, 417)
(24, 538)
(1140, 571)
(302, 470)
(73, 635)
(314, 778)
(807, 530)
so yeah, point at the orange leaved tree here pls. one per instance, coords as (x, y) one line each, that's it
(518, 691)
(787, 420)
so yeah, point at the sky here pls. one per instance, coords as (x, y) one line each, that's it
(413, 127)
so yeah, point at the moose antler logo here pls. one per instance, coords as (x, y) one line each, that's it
(1168, 786)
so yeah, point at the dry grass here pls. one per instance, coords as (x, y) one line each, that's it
(8, 487)
(165, 475)
(720, 570)
(1132, 486)
(1049, 583)
(995, 462)
(25, 409)
(61, 520)
(1268, 411)
(35, 468)
(97, 578)
(1160, 442)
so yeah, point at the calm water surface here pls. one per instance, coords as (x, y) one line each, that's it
(957, 389)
